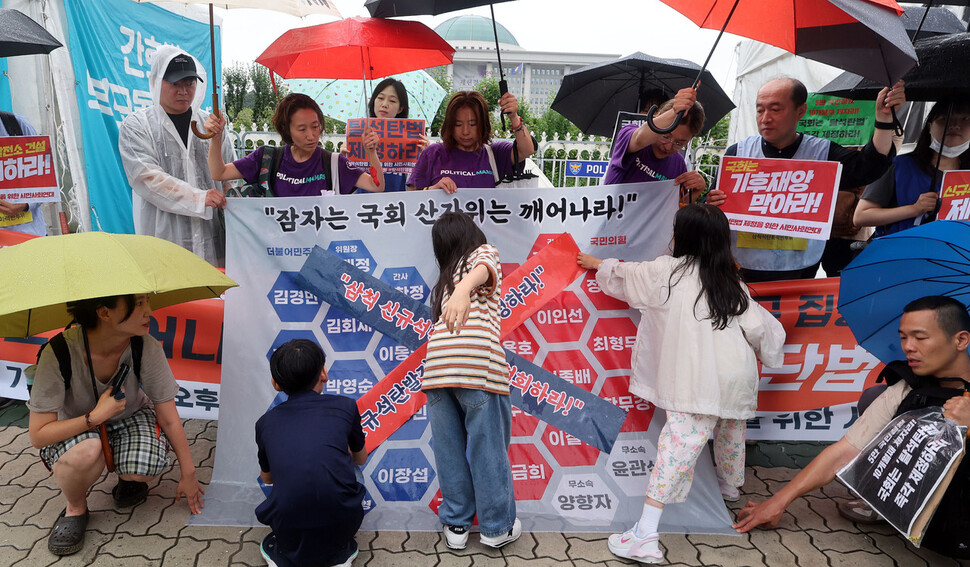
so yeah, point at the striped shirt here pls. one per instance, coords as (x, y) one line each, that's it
(474, 358)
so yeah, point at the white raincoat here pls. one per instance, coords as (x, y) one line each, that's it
(169, 181)
(680, 362)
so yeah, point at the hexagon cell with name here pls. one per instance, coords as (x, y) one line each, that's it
(354, 253)
(292, 303)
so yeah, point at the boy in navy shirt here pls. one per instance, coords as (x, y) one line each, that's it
(308, 446)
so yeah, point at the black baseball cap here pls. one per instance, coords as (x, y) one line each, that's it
(181, 67)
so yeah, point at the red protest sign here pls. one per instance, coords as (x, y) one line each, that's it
(955, 196)
(782, 197)
(27, 170)
(398, 149)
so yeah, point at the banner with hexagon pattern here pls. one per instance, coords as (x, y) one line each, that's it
(580, 337)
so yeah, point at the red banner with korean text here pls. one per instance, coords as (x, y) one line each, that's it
(781, 197)
(27, 170)
(955, 196)
(398, 149)
(813, 395)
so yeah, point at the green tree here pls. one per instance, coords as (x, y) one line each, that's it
(264, 100)
(440, 75)
(235, 84)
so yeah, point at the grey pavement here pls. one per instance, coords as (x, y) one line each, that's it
(155, 533)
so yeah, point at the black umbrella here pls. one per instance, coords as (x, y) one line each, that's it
(943, 70)
(931, 21)
(20, 35)
(394, 8)
(592, 96)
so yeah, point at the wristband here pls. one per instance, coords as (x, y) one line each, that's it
(87, 420)
(884, 125)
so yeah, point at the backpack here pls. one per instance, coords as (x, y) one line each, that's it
(63, 355)
(270, 166)
(11, 124)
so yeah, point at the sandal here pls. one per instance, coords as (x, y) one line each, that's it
(859, 512)
(128, 493)
(67, 535)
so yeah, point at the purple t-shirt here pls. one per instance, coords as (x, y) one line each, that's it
(305, 179)
(642, 165)
(466, 169)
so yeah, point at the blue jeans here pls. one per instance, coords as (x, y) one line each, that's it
(479, 423)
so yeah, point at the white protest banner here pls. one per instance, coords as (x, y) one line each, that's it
(781, 197)
(26, 170)
(575, 346)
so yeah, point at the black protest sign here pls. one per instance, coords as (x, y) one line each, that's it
(902, 472)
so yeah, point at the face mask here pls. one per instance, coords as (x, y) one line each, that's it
(949, 151)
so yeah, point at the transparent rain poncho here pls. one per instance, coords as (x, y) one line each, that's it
(169, 181)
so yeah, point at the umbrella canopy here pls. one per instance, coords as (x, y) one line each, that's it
(343, 99)
(862, 36)
(943, 70)
(395, 8)
(356, 48)
(931, 259)
(931, 21)
(39, 276)
(592, 96)
(20, 35)
(298, 8)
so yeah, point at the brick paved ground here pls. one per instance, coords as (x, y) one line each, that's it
(811, 533)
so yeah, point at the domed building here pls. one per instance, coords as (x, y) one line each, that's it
(533, 76)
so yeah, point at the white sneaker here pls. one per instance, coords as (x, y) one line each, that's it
(504, 539)
(642, 549)
(456, 537)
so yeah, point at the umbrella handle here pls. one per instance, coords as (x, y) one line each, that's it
(897, 125)
(195, 125)
(666, 130)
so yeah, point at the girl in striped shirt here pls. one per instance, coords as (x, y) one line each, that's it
(466, 381)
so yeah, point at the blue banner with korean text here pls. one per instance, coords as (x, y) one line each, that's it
(112, 43)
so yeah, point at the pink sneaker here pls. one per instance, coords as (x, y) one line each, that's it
(642, 549)
(728, 492)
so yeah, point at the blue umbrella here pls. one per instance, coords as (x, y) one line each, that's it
(931, 259)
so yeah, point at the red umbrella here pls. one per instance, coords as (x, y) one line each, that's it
(356, 47)
(866, 37)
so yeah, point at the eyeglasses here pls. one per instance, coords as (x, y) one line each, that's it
(678, 145)
(962, 122)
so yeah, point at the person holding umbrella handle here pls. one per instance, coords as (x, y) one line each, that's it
(641, 154)
(67, 411)
(466, 156)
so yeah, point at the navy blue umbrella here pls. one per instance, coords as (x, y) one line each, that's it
(931, 259)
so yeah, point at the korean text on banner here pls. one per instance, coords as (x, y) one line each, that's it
(781, 197)
(843, 120)
(112, 43)
(26, 170)
(955, 196)
(398, 149)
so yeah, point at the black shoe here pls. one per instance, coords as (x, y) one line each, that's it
(7, 402)
(269, 551)
(128, 493)
(67, 535)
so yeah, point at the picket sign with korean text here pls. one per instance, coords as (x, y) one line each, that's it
(398, 148)
(27, 172)
(781, 197)
(955, 196)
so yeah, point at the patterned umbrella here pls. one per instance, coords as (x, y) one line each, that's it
(342, 99)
